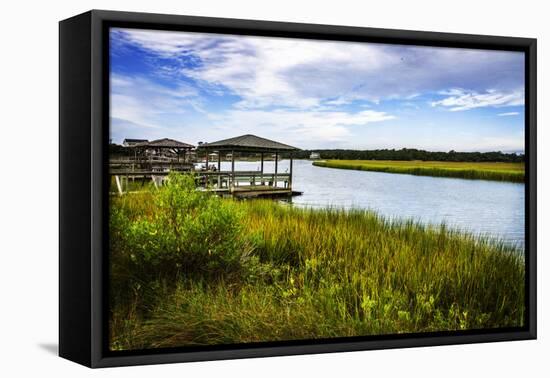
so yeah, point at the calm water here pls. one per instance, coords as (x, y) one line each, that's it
(482, 207)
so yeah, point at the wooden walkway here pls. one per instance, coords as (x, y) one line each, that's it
(242, 184)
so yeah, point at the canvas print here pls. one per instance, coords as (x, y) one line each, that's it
(270, 189)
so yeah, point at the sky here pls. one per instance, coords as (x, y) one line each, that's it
(314, 94)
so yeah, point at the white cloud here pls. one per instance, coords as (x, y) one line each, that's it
(460, 99)
(140, 101)
(305, 129)
(514, 143)
(275, 72)
(266, 72)
(166, 44)
(308, 93)
(141, 107)
(269, 71)
(508, 114)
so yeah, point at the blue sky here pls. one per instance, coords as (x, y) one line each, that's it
(314, 94)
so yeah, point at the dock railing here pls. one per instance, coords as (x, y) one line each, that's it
(211, 180)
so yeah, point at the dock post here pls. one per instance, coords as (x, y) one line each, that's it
(232, 170)
(290, 176)
(262, 181)
(276, 165)
(118, 184)
(207, 177)
(219, 169)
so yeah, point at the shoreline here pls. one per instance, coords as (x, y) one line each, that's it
(434, 169)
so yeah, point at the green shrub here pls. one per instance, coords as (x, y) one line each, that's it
(190, 233)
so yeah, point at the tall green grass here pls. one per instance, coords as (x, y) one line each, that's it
(513, 172)
(295, 273)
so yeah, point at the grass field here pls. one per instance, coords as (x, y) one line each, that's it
(188, 268)
(514, 172)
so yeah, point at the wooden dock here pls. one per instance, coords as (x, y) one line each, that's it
(245, 192)
(243, 184)
(279, 193)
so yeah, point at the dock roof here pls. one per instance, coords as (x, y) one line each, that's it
(247, 142)
(130, 140)
(166, 143)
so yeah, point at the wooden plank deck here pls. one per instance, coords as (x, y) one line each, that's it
(273, 193)
(245, 184)
(257, 191)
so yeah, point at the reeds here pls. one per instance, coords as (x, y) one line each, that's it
(512, 172)
(317, 274)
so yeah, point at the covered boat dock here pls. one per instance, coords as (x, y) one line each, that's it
(247, 184)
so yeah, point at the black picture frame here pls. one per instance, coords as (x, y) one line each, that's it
(83, 211)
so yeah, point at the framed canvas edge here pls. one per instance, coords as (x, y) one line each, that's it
(531, 182)
(75, 271)
(99, 126)
(277, 351)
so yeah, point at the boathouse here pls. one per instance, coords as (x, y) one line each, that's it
(164, 153)
(249, 183)
(165, 147)
(149, 159)
(132, 142)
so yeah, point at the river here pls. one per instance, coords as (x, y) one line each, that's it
(491, 208)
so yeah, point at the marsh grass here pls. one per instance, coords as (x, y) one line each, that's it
(299, 274)
(513, 172)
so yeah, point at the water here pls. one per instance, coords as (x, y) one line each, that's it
(491, 208)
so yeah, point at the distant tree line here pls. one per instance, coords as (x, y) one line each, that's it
(386, 154)
(413, 154)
